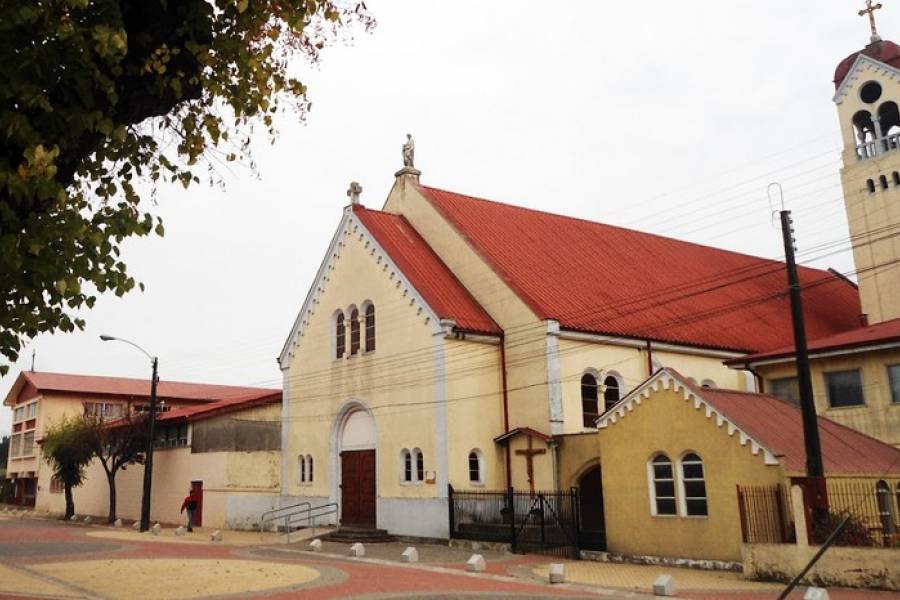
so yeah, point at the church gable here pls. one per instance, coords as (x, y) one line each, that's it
(864, 67)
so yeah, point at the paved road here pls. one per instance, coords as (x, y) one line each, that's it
(50, 559)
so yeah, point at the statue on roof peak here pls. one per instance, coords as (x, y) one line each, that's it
(409, 151)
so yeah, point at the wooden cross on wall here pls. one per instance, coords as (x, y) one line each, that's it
(529, 455)
(870, 10)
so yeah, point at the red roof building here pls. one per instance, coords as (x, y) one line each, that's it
(883, 51)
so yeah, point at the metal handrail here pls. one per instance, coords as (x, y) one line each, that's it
(266, 516)
(329, 508)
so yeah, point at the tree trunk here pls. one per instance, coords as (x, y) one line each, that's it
(111, 479)
(70, 502)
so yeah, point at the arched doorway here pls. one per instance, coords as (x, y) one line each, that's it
(356, 447)
(590, 500)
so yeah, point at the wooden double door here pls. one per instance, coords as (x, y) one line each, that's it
(358, 488)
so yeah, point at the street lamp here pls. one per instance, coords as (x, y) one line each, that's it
(148, 461)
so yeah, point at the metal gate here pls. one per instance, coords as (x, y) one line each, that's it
(544, 522)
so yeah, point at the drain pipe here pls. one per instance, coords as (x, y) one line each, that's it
(505, 409)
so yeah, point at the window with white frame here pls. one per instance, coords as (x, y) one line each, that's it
(28, 444)
(476, 468)
(612, 391)
(309, 468)
(15, 446)
(693, 486)
(589, 405)
(340, 336)
(31, 411)
(420, 464)
(354, 332)
(661, 476)
(406, 466)
(305, 468)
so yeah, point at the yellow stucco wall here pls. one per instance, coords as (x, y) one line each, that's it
(666, 422)
(397, 381)
(869, 213)
(576, 454)
(880, 417)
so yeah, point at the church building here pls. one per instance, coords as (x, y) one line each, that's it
(450, 341)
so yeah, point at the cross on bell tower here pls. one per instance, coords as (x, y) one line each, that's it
(870, 10)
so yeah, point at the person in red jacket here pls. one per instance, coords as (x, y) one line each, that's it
(190, 505)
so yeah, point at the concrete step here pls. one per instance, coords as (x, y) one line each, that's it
(359, 534)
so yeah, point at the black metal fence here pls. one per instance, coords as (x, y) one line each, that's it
(543, 522)
(765, 513)
(874, 507)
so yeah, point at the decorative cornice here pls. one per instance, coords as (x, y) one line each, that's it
(862, 63)
(352, 229)
(669, 380)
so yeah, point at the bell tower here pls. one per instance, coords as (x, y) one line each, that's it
(867, 96)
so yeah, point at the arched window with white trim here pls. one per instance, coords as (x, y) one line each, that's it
(370, 327)
(612, 392)
(420, 465)
(354, 332)
(476, 467)
(693, 486)
(661, 476)
(709, 384)
(406, 466)
(589, 403)
(340, 336)
(301, 469)
(309, 468)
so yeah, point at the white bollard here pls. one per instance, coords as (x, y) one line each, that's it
(410, 555)
(475, 564)
(815, 593)
(117, 523)
(88, 520)
(315, 545)
(73, 518)
(136, 526)
(216, 536)
(156, 529)
(357, 550)
(180, 530)
(557, 573)
(664, 586)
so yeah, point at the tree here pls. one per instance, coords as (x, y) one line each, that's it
(4, 452)
(68, 447)
(100, 96)
(118, 445)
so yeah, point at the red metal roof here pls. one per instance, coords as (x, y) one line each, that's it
(610, 280)
(426, 271)
(778, 426)
(871, 335)
(199, 412)
(137, 388)
(885, 51)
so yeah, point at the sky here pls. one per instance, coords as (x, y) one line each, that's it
(667, 117)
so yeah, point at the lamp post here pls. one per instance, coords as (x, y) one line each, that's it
(151, 427)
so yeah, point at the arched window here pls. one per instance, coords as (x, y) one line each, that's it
(885, 507)
(693, 486)
(475, 467)
(589, 408)
(662, 486)
(354, 332)
(871, 185)
(340, 336)
(406, 459)
(611, 391)
(420, 465)
(309, 468)
(883, 181)
(301, 467)
(896, 176)
(370, 328)
(708, 383)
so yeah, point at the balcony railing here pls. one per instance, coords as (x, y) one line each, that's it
(874, 148)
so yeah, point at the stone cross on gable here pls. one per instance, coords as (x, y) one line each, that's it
(353, 192)
(870, 10)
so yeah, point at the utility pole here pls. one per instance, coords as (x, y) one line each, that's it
(815, 471)
(148, 461)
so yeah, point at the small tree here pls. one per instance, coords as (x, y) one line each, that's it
(68, 448)
(117, 445)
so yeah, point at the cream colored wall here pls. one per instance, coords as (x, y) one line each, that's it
(872, 212)
(880, 417)
(629, 364)
(544, 471)
(475, 412)
(576, 454)
(666, 422)
(396, 381)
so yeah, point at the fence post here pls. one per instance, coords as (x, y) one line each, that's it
(451, 509)
(510, 502)
(743, 513)
(542, 501)
(576, 519)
